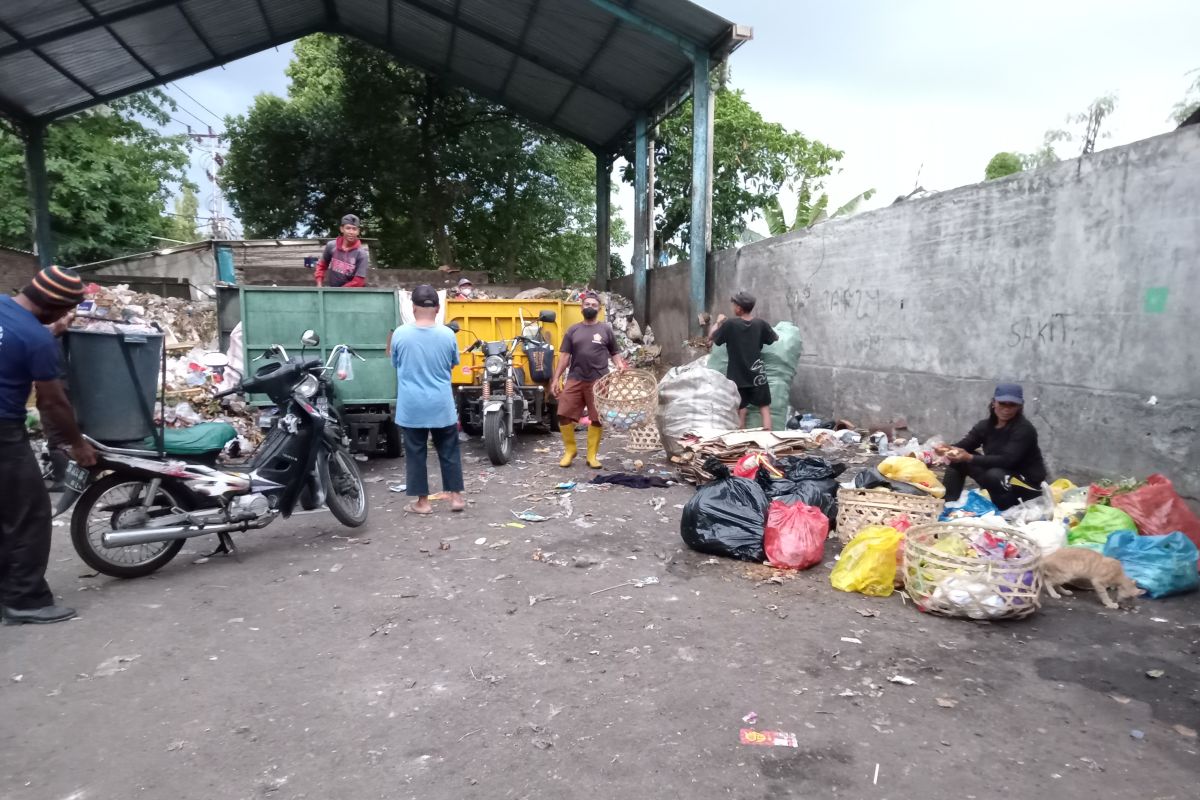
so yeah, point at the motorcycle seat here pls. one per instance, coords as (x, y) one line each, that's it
(199, 440)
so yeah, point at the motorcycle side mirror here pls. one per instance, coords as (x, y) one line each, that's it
(214, 360)
(310, 339)
(547, 316)
(454, 326)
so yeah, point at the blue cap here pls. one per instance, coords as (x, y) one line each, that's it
(1010, 393)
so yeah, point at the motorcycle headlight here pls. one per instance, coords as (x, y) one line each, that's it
(494, 365)
(308, 387)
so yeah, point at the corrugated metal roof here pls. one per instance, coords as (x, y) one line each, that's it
(571, 65)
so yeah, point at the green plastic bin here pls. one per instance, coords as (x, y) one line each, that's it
(113, 380)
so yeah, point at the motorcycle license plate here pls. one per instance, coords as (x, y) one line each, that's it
(76, 478)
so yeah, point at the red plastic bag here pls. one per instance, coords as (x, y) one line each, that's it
(795, 536)
(1158, 509)
(749, 465)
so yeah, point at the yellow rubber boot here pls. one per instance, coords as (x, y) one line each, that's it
(570, 449)
(593, 453)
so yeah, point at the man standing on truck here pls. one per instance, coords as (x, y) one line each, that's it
(425, 355)
(583, 358)
(29, 359)
(345, 261)
(744, 339)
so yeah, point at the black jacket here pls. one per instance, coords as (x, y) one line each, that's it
(1013, 448)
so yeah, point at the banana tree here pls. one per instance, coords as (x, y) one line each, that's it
(808, 212)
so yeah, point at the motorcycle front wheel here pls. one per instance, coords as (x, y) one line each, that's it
(496, 438)
(114, 503)
(345, 493)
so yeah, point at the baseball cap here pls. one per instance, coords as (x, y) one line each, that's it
(350, 219)
(425, 296)
(745, 300)
(587, 294)
(465, 282)
(1010, 393)
(55, 287)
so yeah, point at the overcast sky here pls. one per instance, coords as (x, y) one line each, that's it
(925, 86)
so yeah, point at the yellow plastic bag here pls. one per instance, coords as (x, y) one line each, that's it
(1059, 487)
(868, 562)
(914, 471)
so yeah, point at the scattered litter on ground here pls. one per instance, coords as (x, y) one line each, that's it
(852, 640)
(1120, 698)
(1136, 734)
(866, 612)
(111, 666)
(1155, 673)
(398, 488)
(1184, 730)
(481, 540)
(534, 599)
(767, 738)
(946, 702)
(751, 718)
(902, 680)
(528, 516)
(637, 584)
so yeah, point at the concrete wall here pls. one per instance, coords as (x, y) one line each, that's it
(1080, 280)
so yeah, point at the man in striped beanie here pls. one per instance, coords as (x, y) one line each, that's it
(29, 359)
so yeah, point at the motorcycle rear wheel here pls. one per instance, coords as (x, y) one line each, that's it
(91, 520)
(345, 493)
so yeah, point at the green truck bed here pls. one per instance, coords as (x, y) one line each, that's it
(361, 318)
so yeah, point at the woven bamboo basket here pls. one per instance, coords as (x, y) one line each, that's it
(973, 586)
(644, 438)
(858, 508)
(626, 399)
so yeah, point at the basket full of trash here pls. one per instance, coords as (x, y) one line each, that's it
(626, 398)
(972, 571)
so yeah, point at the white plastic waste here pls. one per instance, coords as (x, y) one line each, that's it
(695, 399)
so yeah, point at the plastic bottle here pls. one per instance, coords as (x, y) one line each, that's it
(808, 423)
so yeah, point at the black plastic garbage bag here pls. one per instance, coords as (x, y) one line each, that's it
(872, 478)
(809, 480)
(726, 517)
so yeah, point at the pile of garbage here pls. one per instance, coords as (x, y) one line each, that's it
(119, 309)
(729, 448)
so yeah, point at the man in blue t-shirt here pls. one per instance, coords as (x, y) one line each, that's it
(29, 359)
(425, 354)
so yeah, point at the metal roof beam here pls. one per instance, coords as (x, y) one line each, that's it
(191, 23)
(167, 78)
(67, 31)
(563, 71)
(648, 25)
(117, 38)
(612, 29)
(262, 9)
(60, 69)
(453, 34)
(512, 66)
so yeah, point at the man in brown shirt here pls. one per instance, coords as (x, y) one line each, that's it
(586, 349)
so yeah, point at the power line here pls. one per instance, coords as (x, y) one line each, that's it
(197, 102)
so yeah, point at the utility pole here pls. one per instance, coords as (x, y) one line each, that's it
(220, 227)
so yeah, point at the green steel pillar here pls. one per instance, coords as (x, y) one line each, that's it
(603, 218)
(641, 216)
(39, 192)
(701, 239)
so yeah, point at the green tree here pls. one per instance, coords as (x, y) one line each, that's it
(182, 225)
(1092, 121)
(110, 175)
(753, 159)
(439, 175)
(1190, 102)
(1003, 164)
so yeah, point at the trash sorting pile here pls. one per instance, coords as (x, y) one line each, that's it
(118, 309)
(730, 448)
(635, 341)
(972, 571)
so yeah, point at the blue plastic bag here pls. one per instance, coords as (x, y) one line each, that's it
(973, 505)
(1162, 565)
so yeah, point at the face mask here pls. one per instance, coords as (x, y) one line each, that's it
(465, 291)
(591, 313)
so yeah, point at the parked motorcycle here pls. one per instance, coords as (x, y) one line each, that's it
(136, 507)
(503, 399)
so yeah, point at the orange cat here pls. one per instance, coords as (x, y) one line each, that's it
(1077, 564)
